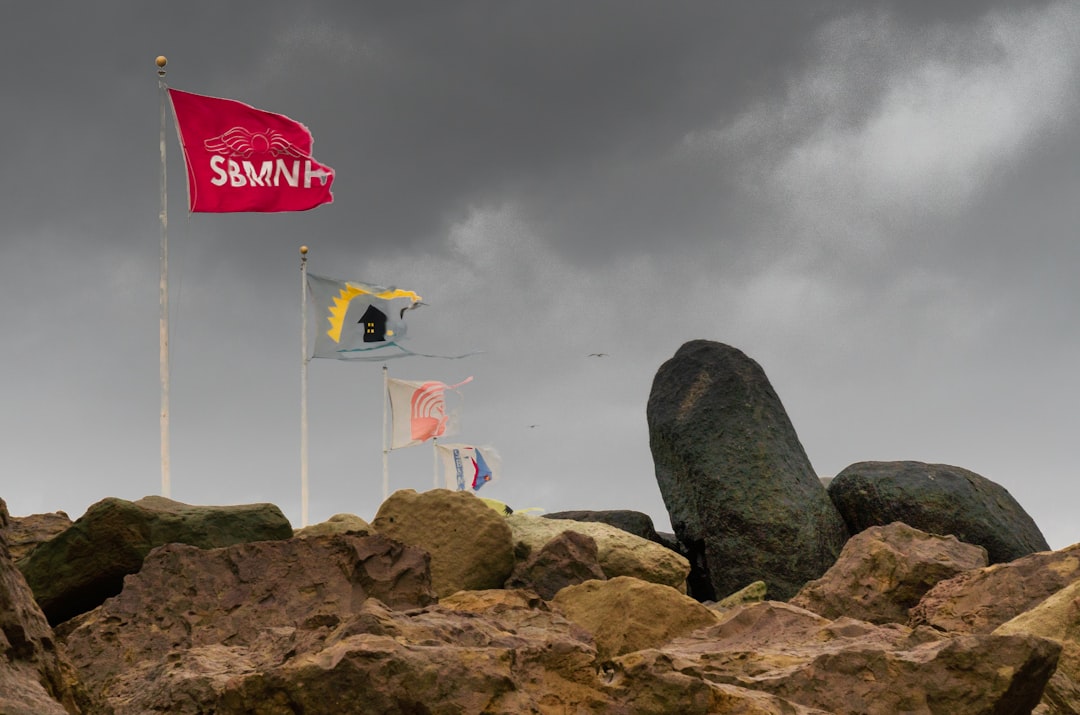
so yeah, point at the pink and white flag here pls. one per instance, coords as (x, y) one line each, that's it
(418, 411)
(240, 158)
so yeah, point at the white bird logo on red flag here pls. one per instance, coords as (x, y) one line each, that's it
(242, 142)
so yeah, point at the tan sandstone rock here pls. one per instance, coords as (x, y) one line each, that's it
(337, 524)
(470, 544)
(884, 570)
(850, 666)
(625, 614)
(753, 593)
(620, 553)
(979, 601)
(1057, 618)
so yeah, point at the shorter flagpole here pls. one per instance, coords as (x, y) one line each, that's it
(303, 389)
(435, 460)
(386, 443)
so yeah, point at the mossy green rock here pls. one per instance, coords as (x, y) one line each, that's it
(78, 569)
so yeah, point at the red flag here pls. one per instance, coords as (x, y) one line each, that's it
(240, 158)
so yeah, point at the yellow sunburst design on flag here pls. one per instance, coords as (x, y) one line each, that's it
(350, 291)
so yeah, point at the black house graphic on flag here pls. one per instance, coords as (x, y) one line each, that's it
(374, 323)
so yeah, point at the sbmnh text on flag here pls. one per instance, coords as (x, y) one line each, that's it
(468, 467)
(418, 411)
(358, 321)
(240, 158)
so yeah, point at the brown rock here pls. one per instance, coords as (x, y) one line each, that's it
(653, 686)
(82, 566)
(568, 559)
(884, 570)
(35, 677)
(469, 543)
(979, 601)
(1056, 618)
(191, 619)
(435, 660)
(850, 666)
(26, 532)
(627, 614)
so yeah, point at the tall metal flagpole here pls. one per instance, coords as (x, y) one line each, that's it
(303, 389)
(163, 292)
(385, 442)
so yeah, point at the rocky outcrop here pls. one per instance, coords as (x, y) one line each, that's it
(937, 499)
(26, 532)
(470, 544)
(192, 619)
(850, 666)
(620, 553)
(568, 559)
(340, 623)
(627, 614)
(884, 571)
(85, 564)
(981, 600)
(743, 498)
(35, 677)
(345, 624)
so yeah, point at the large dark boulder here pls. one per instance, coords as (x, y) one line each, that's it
(85, 564)
(743, 498)
(937, 499)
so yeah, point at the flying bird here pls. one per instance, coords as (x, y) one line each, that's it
(597, 355)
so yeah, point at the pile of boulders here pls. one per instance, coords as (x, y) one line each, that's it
(480, 612)
(900, 587)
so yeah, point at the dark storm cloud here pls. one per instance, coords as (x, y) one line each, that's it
(431, 111)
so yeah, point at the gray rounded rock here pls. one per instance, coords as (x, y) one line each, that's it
(938, 499)
(743, 498)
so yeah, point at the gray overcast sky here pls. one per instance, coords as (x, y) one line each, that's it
(877, 201)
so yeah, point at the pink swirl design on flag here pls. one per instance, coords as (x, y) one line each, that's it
(428, 411)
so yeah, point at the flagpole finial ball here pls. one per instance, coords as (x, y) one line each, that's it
(303, 250)
(161, 61)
